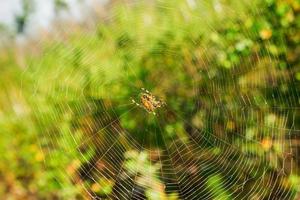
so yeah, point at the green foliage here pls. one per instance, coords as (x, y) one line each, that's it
(230, 71)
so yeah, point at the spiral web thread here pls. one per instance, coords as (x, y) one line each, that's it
(117, 150)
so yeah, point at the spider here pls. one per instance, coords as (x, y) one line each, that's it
(148, 101)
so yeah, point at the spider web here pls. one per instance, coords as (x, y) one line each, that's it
(226, 132)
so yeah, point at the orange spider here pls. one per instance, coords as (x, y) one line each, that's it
(148, 101)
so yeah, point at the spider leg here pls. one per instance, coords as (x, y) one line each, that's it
(133, 101)
(146, 91)
(162, 103)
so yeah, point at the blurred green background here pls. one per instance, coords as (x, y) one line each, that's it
(228, 71)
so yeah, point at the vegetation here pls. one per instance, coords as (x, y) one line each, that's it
(227, 70)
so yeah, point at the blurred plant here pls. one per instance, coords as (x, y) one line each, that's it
(138, 166)
(232, 81)
(21, 19)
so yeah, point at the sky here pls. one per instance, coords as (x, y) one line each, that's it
(43, 13)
